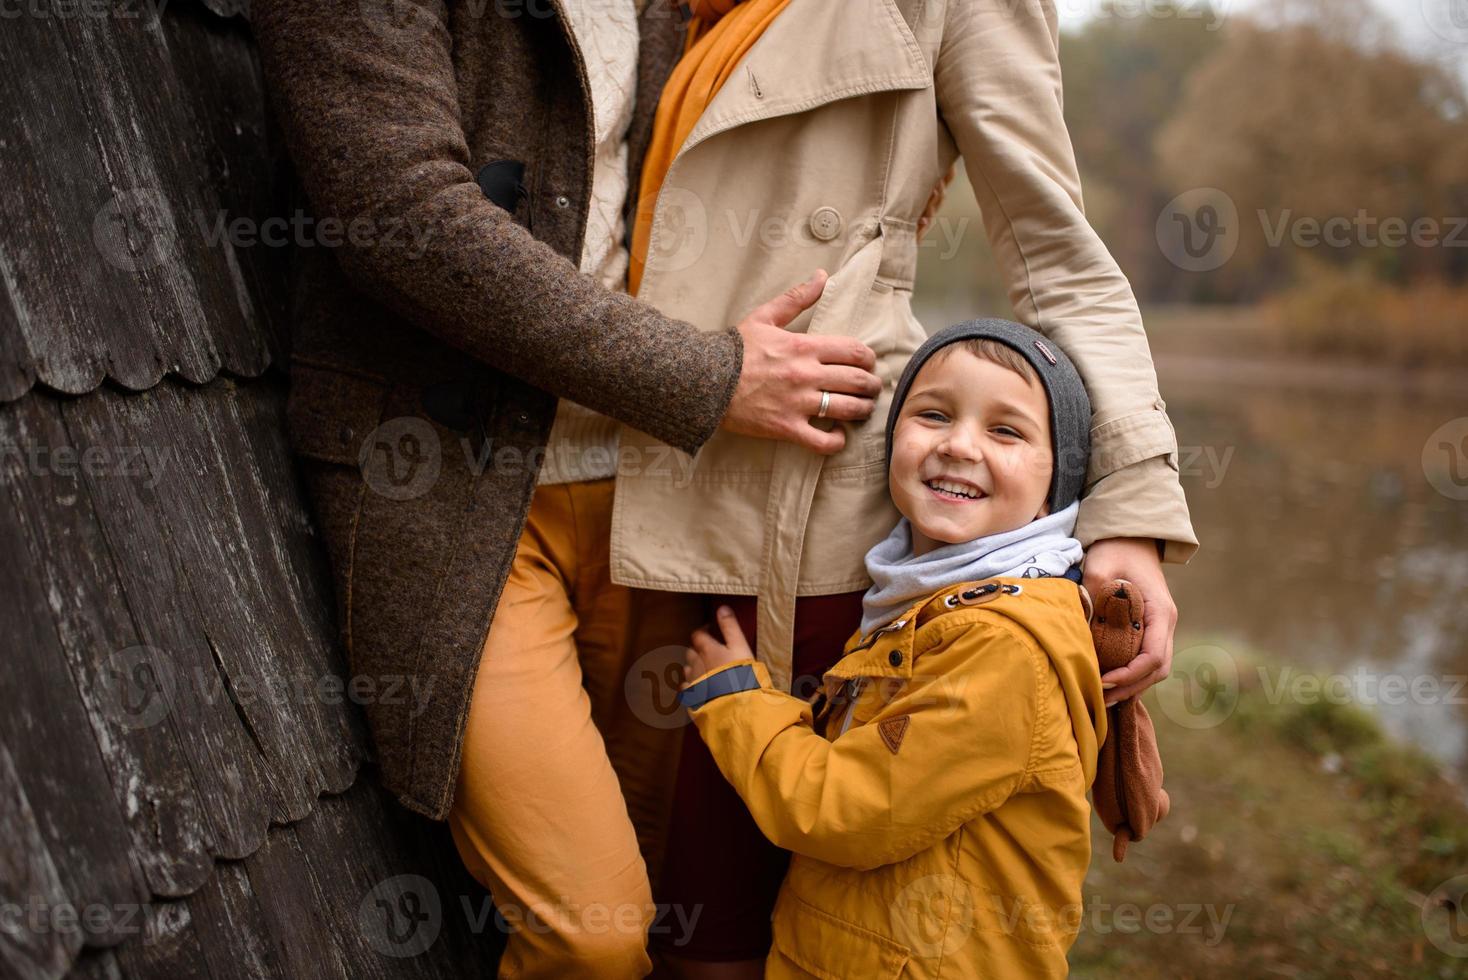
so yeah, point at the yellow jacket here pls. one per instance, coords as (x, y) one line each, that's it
(934, 791)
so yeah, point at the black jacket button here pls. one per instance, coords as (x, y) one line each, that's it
(894, 658)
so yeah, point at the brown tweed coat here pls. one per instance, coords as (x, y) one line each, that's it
(447, 150)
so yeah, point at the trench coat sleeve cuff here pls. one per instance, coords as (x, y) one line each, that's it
(1142, 500)
(731, 678)
(1123, 440)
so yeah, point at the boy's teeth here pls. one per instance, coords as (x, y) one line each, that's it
(956, 488)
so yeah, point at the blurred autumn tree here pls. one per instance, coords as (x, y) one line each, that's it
(1302, 112)
(1312, 112)
(1123, 77)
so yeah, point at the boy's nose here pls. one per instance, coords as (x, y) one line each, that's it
(959, 444)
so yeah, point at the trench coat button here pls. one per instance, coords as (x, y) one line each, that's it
(563, 201)
(825, 223)
(895, 658)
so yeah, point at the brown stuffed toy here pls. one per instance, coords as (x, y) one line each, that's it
(1127, 793)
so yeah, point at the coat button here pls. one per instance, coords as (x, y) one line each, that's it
(825, 223)
(563, 201)
(894, 658)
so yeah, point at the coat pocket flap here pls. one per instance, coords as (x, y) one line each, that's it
(839, 310)
(827, 947)
(330, 414)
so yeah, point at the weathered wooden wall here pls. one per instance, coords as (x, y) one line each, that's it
(184, 782)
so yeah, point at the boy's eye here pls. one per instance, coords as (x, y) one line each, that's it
(934, 415)
(1007, 431)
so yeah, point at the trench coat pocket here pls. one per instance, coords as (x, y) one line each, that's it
(330, 414)
(821, 945)
(841, 306)
(853, 305)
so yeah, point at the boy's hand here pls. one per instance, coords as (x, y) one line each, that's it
(708, 653)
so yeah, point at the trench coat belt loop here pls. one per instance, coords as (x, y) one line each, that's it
(796, 472)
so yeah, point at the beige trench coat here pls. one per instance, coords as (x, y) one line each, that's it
(820, 151)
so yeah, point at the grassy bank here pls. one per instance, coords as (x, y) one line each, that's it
(1303, 842)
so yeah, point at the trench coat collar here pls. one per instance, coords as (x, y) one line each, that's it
(816, 52)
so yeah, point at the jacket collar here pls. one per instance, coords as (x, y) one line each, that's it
(817, 52)
(888, 651)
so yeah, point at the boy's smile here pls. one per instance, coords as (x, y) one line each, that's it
(971, 450)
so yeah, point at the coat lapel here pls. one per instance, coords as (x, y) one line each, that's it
(817, 52)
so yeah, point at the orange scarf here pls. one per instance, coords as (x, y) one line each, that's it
(720, 34)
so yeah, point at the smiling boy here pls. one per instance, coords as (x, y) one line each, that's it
(934, 792)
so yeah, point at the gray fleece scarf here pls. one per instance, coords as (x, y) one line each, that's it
(1042, 548)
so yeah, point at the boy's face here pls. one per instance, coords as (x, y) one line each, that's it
(971, 451)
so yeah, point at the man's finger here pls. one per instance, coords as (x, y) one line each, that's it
(819, 440)
(1161, 625)
(793, 301)
(847, 408)
(1123, 693)
(849, 380)
(1140, 668)
(832, 349)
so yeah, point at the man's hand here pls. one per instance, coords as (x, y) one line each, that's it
(709, 654)
(1136, 560)
(784, 374)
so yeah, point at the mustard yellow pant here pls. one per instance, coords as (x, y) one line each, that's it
(571, 746)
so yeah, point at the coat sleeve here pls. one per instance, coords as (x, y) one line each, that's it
(855, 801)
(997, 82)
(367, 98)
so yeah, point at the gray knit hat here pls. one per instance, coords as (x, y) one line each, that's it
(1070, 407)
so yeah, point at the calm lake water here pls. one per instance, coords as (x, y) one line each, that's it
(1325, 543)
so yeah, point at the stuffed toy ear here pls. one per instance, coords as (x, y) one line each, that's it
(1127, 791)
